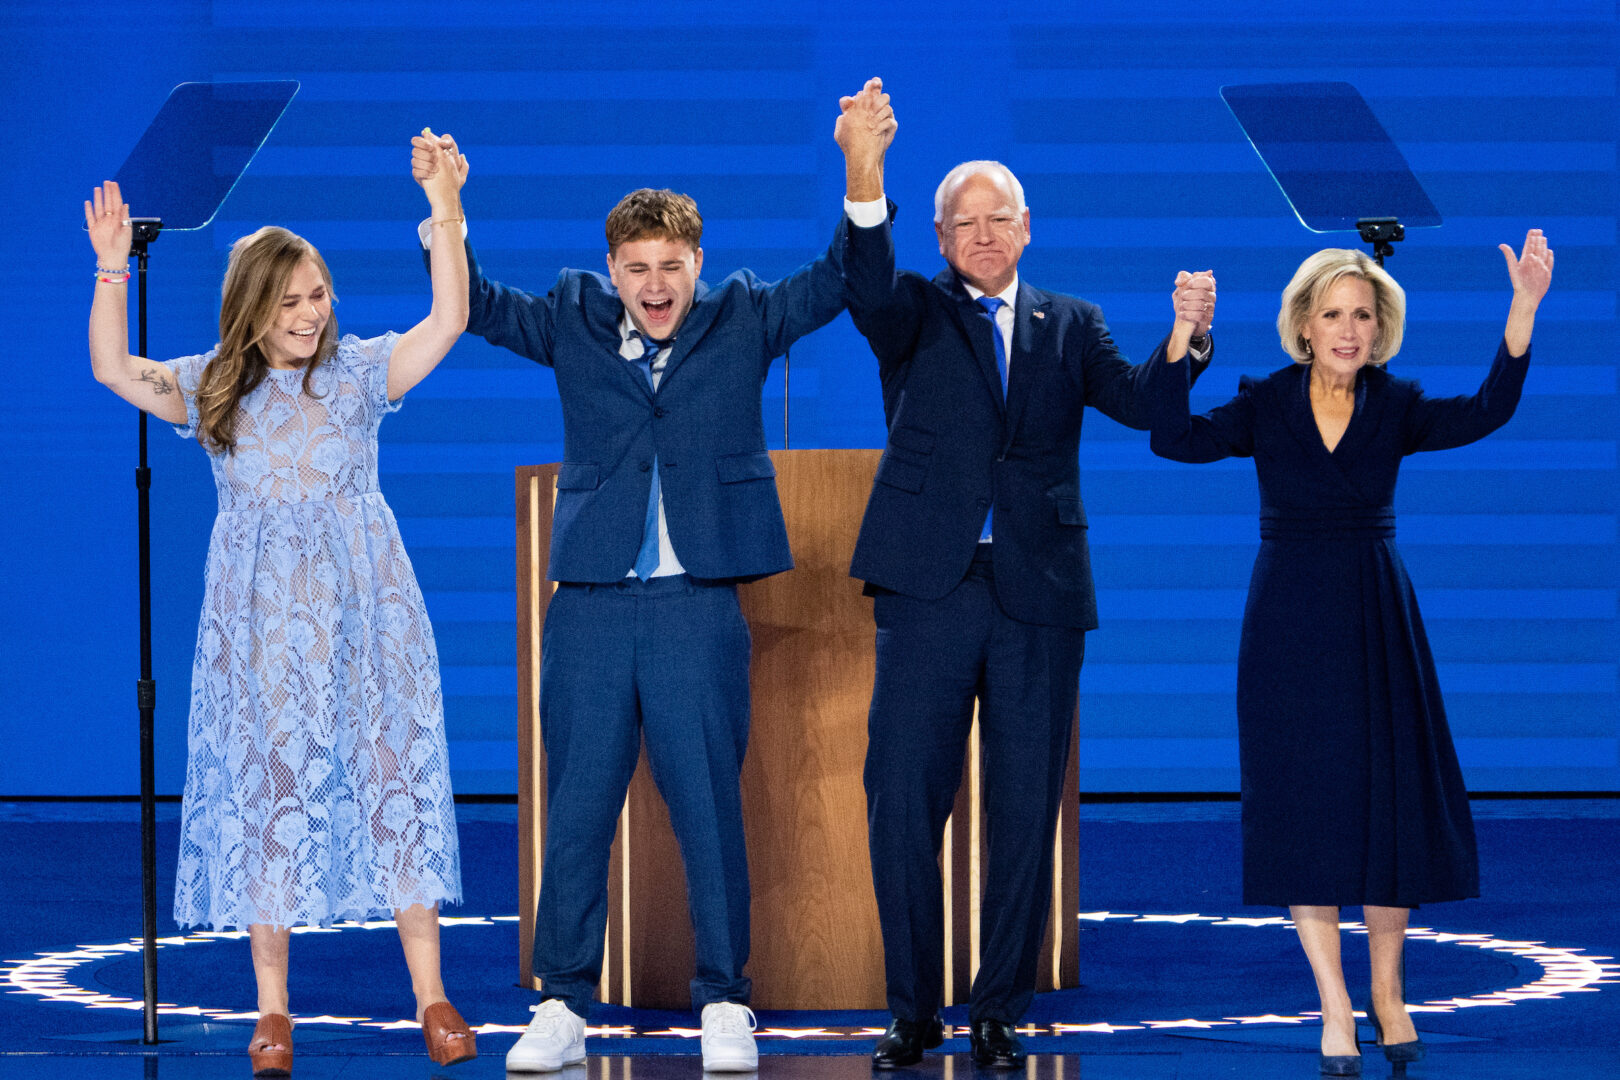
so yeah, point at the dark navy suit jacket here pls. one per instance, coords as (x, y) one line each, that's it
(956, 441)
(703, 425)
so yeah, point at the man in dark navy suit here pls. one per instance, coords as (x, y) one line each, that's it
(666, 499)
(974, 549)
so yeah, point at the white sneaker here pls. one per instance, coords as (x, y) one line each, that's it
(728, 1038)
(556, 1037)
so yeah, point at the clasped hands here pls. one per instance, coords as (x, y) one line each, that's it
(438, 165)
(1193, 301)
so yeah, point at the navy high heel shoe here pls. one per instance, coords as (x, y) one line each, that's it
(1341, 1064)
(1395, 1053)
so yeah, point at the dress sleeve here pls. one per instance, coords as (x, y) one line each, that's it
(1225, 431)
(1114, 385)
(1442, 423)
(187, 372)
(368, 359)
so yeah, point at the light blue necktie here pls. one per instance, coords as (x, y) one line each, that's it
(991, 305)
(647, 557)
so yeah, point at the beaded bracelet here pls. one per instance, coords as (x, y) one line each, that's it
(103, 270)
(113, 278)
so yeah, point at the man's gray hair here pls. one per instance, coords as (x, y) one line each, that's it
(958, 175)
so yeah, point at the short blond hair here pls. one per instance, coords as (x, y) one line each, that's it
(1319, 273)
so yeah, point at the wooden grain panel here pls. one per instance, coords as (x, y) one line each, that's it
(815, 931)
(1060, 951)
(536, 496)
(815, 942)
(663, 953)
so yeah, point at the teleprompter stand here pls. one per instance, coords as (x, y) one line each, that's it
(183, 167)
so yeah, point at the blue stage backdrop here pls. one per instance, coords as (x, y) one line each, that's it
(1110, 113)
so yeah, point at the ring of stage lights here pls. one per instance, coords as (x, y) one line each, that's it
(1564, 970)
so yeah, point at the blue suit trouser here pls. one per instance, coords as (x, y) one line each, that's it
(667, 660)
(934, 658)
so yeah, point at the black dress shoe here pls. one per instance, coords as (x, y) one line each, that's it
(995, 1045)
(903, 1044)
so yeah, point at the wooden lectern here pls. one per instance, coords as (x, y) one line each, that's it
(815, 930)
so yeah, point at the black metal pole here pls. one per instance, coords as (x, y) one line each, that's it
(145, 687)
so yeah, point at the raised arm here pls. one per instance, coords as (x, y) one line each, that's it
(1226, 431)
(864, 131)
(501, 315)
(1531, 275)
(1443, 423)
(880, 303)
(1120, 390)
(441, 170)
(143, 383)
(814, 294)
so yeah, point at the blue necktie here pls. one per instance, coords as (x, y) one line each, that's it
(991, 305)
(647, 557)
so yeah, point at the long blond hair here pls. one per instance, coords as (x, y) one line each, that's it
(255, 281)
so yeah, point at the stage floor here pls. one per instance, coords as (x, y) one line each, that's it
(1177, 978)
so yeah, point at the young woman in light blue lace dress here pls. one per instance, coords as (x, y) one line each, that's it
(317, 782)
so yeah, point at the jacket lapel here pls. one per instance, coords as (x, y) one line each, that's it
(1030, 356)
(697, 323)
(603, 310)
(977, 328)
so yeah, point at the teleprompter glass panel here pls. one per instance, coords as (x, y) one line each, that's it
(196, 149)
(1331, 157)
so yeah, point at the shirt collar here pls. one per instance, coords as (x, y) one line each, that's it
(1008, 296)
(627, 328)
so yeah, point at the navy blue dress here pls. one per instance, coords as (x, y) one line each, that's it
(1351, 789)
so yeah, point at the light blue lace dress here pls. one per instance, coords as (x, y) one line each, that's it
(317, 782)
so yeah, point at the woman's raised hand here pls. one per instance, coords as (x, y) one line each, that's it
(438, 165)
(1531, 272)
(107, 218)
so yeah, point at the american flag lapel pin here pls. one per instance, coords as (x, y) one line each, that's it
(1039, 314)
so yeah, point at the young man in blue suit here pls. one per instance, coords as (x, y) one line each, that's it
(974, 548)
(666, 498)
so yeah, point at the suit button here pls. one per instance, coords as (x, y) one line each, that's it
(660, 412)
(646, 466)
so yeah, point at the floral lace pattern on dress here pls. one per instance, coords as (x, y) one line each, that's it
(318, 781)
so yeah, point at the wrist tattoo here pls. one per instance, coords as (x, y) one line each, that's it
(159, 382)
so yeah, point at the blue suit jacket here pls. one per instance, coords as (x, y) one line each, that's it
(703, 425)
(956, 441)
